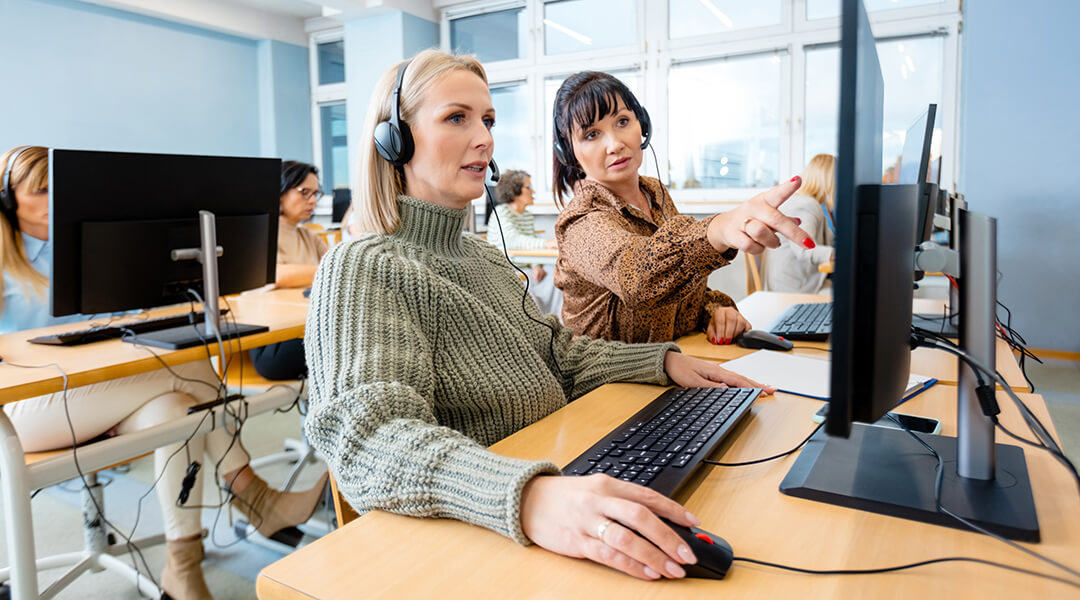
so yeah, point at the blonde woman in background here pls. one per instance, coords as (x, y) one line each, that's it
(792, 267)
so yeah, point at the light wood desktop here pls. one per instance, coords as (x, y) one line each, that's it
(392, 556)
(761, 308)
(283, 311)
(539, 256)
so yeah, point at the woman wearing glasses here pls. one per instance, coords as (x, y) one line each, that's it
(298, 253)
(514, 227)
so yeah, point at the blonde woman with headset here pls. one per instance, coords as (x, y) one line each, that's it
(422, 354)
(127, 404)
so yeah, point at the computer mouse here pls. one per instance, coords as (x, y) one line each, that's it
(714, 555)
(759, 339)
(307, 292)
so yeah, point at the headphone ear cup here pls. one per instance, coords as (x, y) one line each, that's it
(646, 127)
(559, 154)
(387, 141)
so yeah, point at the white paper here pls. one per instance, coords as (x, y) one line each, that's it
(803, 375)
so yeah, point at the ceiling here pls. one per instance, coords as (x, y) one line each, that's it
(292, 8)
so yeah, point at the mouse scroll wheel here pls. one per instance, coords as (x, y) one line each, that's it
(704, 538)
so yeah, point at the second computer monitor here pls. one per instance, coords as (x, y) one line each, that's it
(116, 217)
(915, 169)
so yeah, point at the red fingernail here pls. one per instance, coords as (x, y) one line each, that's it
(809, 243)
(798, 221)
(795, 178)
(727, 340)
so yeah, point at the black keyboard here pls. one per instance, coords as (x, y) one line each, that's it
(662, 445)
(108, 332)
(811, 322)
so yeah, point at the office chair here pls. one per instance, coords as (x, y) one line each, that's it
(101, 550)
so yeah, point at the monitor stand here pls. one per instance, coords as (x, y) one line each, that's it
(187, 336)
(940, 324)
(885, 471)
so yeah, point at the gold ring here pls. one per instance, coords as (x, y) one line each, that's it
(602, 528)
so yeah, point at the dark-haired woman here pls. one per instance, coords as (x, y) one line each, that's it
(630, 266)
(298, 255)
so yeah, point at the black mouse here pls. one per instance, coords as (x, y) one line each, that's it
(713, 553)
(759, 339)
(307, 292)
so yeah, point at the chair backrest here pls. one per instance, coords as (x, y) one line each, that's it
(753, 273)
(345, 513)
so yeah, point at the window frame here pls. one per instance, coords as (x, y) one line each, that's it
(321, 95)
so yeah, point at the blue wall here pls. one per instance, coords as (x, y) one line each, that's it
(372, 44)
(1020, 151)
(98, 78)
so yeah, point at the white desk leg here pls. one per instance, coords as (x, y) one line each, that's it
(17, 516)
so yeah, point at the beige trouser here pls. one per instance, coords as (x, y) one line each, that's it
(130, 404)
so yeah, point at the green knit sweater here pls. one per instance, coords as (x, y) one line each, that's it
(420, 356)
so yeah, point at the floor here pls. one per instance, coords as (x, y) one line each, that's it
(231, 566)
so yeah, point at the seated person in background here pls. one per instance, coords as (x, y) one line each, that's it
(793, 267)
(298, 255)
(515, 226)
(127, 404)
(422, 354)
(632, 268)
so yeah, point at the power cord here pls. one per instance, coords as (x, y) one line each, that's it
(762, 460)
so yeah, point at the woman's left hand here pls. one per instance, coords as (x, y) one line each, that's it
(687, 371)
(725, 324)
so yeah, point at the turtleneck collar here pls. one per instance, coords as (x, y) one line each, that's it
(429, 226)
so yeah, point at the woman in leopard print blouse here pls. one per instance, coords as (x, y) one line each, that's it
(630, 266)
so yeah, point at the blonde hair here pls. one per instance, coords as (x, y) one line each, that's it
(32, 167)
(818, 179)
(379, 182)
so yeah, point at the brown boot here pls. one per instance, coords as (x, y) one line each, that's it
(183, 576)
(270, 510)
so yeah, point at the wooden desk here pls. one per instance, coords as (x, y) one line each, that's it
(541, 256)
(761, 308)
(385, 555)
(284, 311)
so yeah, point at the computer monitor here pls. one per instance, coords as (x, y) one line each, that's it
(915, 169)
(853, 463)
(116, 218)
(342, 201)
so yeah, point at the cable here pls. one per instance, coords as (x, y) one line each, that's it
(940, 473)
(525, 294)
(761, 460)
(907, 566)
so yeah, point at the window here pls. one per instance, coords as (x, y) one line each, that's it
(579, 25)
(913, 71)
(331, 62)
(742, 93)
(724, 123)
(494, 36)
(335, 148)
(512, 131)
(824, 9)
(699, 17)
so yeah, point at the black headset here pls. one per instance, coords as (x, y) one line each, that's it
(8, 202)
(564, 151)
(393, 138)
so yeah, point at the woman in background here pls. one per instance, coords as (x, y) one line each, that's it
(792, 267)
(515, 227)
(127, 404)
(298, 254)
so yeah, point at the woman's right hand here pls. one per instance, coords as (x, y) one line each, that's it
(565, 514)
(752, 226)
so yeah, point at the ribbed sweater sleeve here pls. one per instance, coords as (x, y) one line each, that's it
(373, 392)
